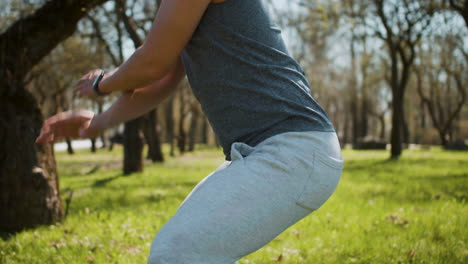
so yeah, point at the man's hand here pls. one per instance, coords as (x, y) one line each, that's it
(84, 87)
(72, 124)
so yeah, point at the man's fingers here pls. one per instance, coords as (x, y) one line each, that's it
(40, 139)
(65, 124)
(55, 118)
(43, 138)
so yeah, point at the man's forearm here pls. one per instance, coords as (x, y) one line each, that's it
(136, 72)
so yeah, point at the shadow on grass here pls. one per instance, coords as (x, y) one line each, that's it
(110, 197)
(7, 235)
(104, 182)
(126, 202)
(418, 180)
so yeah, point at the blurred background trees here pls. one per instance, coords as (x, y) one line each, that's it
(388, 72)
(363, 59)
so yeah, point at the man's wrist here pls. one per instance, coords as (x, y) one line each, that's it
(96, 84)
(96, 125)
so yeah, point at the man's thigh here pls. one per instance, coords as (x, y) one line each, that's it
(234, 211)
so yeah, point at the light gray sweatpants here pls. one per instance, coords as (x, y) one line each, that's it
(247, 202)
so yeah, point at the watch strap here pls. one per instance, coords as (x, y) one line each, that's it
(96, 84)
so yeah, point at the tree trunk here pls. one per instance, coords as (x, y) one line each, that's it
(397, 119)
(152, 137)
(103, 140)
(382, 127)
(397, 106)
(364, 124)
(169, 113)
(346, 128)
(204, 132)
(133, 147)
(28, 177)
(405, 129)
(157, 154)
(69, 146)
(181, 137)
(354, 93)
(443, 138)
(354, 121)
(93, 145)
(193, 130)
(111, 146)
(422, 112)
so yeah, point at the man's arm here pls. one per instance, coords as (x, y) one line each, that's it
(138, 102)
(172, 29)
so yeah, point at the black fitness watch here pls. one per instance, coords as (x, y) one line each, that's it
(96, 84)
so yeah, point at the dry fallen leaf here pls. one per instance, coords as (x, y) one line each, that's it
(90, 259)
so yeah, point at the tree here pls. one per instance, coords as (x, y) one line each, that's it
(441, 83)
(28, 176)
(169, 119)
(402, 24)
(152, 137)
(193, 129)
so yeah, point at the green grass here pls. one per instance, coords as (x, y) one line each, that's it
(408, 211)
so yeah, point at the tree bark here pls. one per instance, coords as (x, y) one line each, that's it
(169, 113)
(28, 177)
(405, 130)
(204, 132)
(395, 138)
(69, 146)
(382, 127)
(193, 129)
(152, 137)
(354, 93)
(93, 145)
(182, 135)
(133, 147)
(346, 128)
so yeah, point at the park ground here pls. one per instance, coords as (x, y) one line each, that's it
(384, 211)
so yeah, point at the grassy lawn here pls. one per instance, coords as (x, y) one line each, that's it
(407, 211)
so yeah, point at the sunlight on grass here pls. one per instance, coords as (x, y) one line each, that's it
(408, 211)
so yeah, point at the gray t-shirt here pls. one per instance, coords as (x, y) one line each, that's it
(248, 85)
